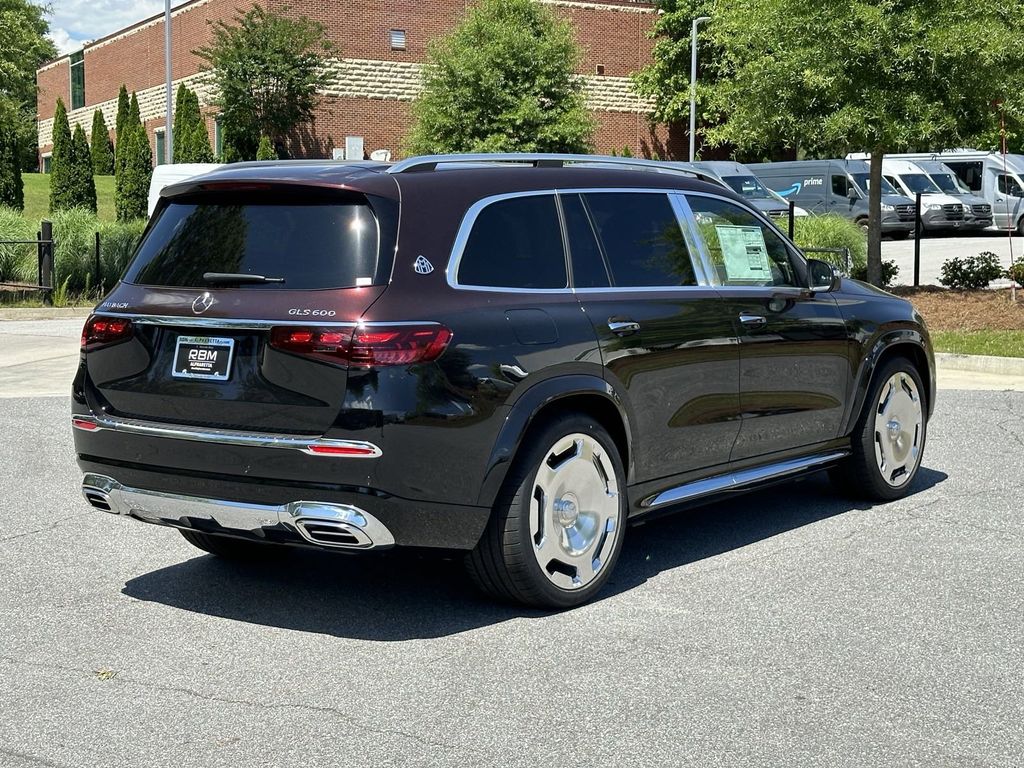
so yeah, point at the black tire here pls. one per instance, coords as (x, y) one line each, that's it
(504, 564)
(229, 547)
(1020, 227)
(898, 235)
(859, 475)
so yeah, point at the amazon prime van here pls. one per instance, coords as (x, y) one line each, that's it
(741, 180)
(839, 187)
(999, 179)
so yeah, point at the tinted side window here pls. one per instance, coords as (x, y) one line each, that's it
(969, 173)
(743, 250)
(1009, 186)
(839, 186)
(588, 267)
(641, 238)
(515, 243)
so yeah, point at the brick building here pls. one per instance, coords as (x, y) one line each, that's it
(381, 47)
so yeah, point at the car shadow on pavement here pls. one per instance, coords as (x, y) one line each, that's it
(402, 595)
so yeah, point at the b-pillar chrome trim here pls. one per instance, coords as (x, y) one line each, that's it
(314, 446)
(325, 524)
(741, 480)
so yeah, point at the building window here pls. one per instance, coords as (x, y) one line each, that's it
(47, 161)
(397, 39)
(218, 138)
(77, 64)
(599, 69)
(161, 146)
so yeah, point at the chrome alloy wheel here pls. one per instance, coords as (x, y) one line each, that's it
(898, 429)
(574, 511)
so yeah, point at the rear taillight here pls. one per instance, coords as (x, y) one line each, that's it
(99, 331)
(364, 346)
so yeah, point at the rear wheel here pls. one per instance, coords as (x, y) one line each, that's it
(556, 530)
(1020, 227)
(889, 438)
(227, 547)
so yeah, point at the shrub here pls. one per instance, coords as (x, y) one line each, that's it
(17, 262)
(12, 190)
(972, 272)
(1016, 273)
(131, 194)
(119, 125)
(265, 151)
(191, 141)
(74, 248)
(889, 273)
(83, 187)
(832, 232)
(117, 246)
(61, 167)
(101, 148)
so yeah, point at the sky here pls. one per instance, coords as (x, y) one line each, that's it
(74, 22)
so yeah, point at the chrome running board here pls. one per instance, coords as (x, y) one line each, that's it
(324, 524)
(744, 478)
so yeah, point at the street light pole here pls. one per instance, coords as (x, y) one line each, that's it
(168, 128)
(693, 82)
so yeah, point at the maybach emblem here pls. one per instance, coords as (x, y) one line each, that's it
(422, 266)
(202, 303)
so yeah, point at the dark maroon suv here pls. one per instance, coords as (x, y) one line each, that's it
(513, 356)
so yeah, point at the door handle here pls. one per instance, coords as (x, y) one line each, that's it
(623, 327)
(753, 321)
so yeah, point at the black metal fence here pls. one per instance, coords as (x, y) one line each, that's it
(44, 263)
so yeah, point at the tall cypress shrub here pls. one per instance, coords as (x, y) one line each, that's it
(119, 123)
(131, 194)
(83, 186)
(191, 140)
(12, 190)
(100, 147)
(61, 173)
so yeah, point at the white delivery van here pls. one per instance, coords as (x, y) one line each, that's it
(172, 173)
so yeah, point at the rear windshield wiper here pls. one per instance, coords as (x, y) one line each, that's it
(236, 278)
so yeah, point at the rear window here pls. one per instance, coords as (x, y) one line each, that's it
(309, 244)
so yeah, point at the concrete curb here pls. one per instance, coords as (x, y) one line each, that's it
(1002, 366)
(43, 313)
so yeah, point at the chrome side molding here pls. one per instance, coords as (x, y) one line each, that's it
(314, 446)
(325, 524)
(735, 481)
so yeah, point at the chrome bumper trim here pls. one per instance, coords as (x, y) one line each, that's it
(736, 481)
(314, 446)
(347, 527)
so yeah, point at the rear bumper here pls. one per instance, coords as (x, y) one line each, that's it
(312, 514)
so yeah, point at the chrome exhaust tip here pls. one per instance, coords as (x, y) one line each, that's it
(338, 526)
(97, 491)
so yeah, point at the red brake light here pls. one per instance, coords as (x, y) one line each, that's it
(100, 331)
(365, 347)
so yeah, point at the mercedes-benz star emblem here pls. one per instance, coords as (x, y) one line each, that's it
(202, 303)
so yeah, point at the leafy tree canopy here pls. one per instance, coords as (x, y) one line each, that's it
(267, 68)
(834, 77)
(503, 80)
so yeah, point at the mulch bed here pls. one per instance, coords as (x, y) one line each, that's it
(946, 310)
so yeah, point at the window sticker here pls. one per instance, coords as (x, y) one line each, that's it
(744, 253)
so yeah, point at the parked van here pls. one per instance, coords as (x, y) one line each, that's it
(839, 187)
(741, 180)
(977, 210)
(171, 173)
(999, 179)
(939, 212)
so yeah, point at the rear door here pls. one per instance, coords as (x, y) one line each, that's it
(217, 283)
(794, 365)
(664, 339)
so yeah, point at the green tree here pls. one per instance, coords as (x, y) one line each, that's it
(12, 190)
(191, 140)
(61, 166)
(83, 186)
(23, 47)
(503, 81)
(119, 122)
(131, 188)
(267, 68)
(101, 148)
(828, 78)
(265, 151)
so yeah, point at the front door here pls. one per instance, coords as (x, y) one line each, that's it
(794, 364)
(1008, 204)
(665, 340)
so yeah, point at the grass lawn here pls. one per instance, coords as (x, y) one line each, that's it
(37, 196)
(998, 343)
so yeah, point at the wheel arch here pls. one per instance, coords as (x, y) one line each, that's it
(908, 343)
(543, 402)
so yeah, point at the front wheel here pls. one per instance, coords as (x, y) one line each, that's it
(888, 440)
(556, 529)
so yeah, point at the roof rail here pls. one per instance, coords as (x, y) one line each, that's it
(540, 160)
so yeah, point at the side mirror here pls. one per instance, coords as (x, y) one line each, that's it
(821, 276)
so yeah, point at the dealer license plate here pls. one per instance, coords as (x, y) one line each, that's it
(203, 357)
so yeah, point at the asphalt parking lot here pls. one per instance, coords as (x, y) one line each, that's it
(789, 627)
(937, 249)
